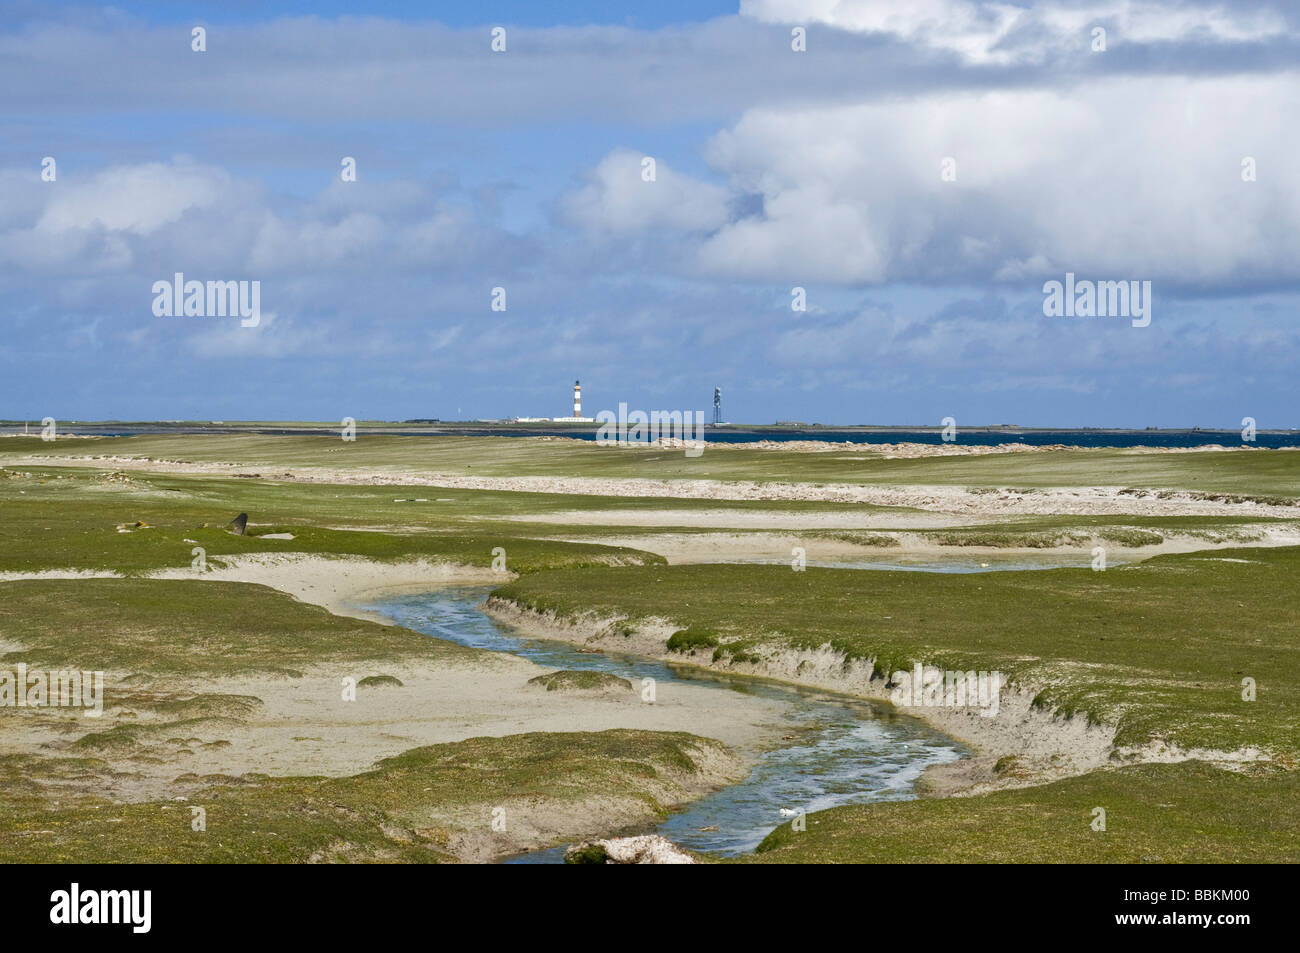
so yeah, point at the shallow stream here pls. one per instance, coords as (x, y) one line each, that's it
(852, 752)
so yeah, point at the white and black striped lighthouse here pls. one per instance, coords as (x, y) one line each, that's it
(577, 399)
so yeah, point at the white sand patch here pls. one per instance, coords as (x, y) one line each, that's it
(60, 574)
(307, 729)
(338, 583)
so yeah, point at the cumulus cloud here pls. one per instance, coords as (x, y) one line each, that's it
(619, 198)
(136, 199)
(1124, 181)
(178, 214)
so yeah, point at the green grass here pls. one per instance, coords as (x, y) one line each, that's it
(687, 640)
(1007, 539)
(181, 627)
(1158, 813)
(380, 681)
(1001, 538)
(1121, 529)
(857, 538)
(1159, 649)
(84, 536)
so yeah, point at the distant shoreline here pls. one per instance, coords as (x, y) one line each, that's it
(986, 435)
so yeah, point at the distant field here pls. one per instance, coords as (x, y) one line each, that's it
(80, 519)
(1263, 472)
(84, 517)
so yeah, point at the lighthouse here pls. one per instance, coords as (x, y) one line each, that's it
(577, 417)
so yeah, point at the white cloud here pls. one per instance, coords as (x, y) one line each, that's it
(1129, 181)
(137, 199)
(617, 199)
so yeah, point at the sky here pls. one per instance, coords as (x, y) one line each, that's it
(654, 187)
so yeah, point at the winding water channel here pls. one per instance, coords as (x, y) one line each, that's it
(853, 751)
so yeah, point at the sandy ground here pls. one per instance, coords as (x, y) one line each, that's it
(1068, 501)
(305, 728)
(338, 584)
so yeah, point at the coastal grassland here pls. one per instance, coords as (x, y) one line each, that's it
(1190, 812)
(169, 648)
(1043, 532)
(166, 648)
(1256, 472)
(355, 505)
(85, 519)
(1158, 649)
(1046, 532)
(429, 804)
(162, 627)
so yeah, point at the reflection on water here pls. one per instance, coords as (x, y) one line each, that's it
(851, 752)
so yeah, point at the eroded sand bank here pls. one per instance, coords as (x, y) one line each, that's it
(1045, 746)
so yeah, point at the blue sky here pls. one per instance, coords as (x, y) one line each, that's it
(775, 169)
